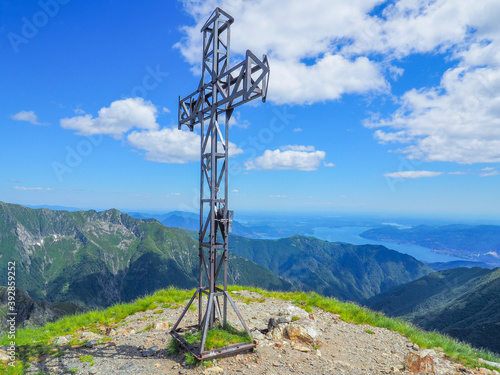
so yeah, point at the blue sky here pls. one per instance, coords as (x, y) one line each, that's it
(373, 106)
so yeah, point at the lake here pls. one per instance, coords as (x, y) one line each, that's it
(351, 235)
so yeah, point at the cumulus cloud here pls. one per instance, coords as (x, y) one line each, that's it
(328, 78)
(28, 116)
(324, 49)
(120, 117)
(301, 40)
(413, 174)
(135, 119)
(302, 158)
(170, 145)
(458, 120)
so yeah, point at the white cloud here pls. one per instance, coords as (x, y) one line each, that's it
(457, 173)
(28, 116)
(459, 121)
(384, 137)
(413, 174)
(170, 145)
(328, 79)
(489, 174)
(278, 196)
(297, 148)
(296, 130)
(31, 188)
(302, 158)
(120, 117)
(329, 165)
(324, 49)
(488, 169)
(235, 191)
(292, 35)
(237, 121)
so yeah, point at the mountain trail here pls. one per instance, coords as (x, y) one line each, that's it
(300, 343)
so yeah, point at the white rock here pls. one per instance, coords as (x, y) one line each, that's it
(61, 340)
(295, 311)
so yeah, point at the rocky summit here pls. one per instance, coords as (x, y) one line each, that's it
(290, 341)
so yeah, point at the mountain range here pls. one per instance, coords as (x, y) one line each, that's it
(96, 259)
(462, 302)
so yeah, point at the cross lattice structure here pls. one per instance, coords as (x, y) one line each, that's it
(211, 106)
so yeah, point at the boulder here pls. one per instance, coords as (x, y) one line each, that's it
(418, 363)
(303, 332)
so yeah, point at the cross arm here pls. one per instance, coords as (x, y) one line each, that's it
(246, 81)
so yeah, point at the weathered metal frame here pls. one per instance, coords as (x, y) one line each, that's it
(221, 89)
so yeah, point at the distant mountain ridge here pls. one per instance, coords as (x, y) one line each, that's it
(100, 258)
(462, 302)
(191, 221)
(96, 259)
(479, 243)
(348, 272)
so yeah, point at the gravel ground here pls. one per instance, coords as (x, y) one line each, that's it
(136, 346)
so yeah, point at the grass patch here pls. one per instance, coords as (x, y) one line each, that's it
(147, 329)
(218, 337)
(93, 319)
(17, 369)
(87, 358)
(36, 343)
(295, 318)
(369, 331)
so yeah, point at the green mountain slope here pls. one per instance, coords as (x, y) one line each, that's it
(480, 243)
(30, 313)
(462, 302)
(97, 259)
(348, 272)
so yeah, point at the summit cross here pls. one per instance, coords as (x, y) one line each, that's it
(211, 106)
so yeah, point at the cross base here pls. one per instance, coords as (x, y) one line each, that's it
(212, 306)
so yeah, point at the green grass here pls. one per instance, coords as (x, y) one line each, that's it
(218, 337)
(36, 342)
(111, 316)
(33, 343)
(87, 358)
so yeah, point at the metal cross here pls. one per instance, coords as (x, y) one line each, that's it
(211, 106)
